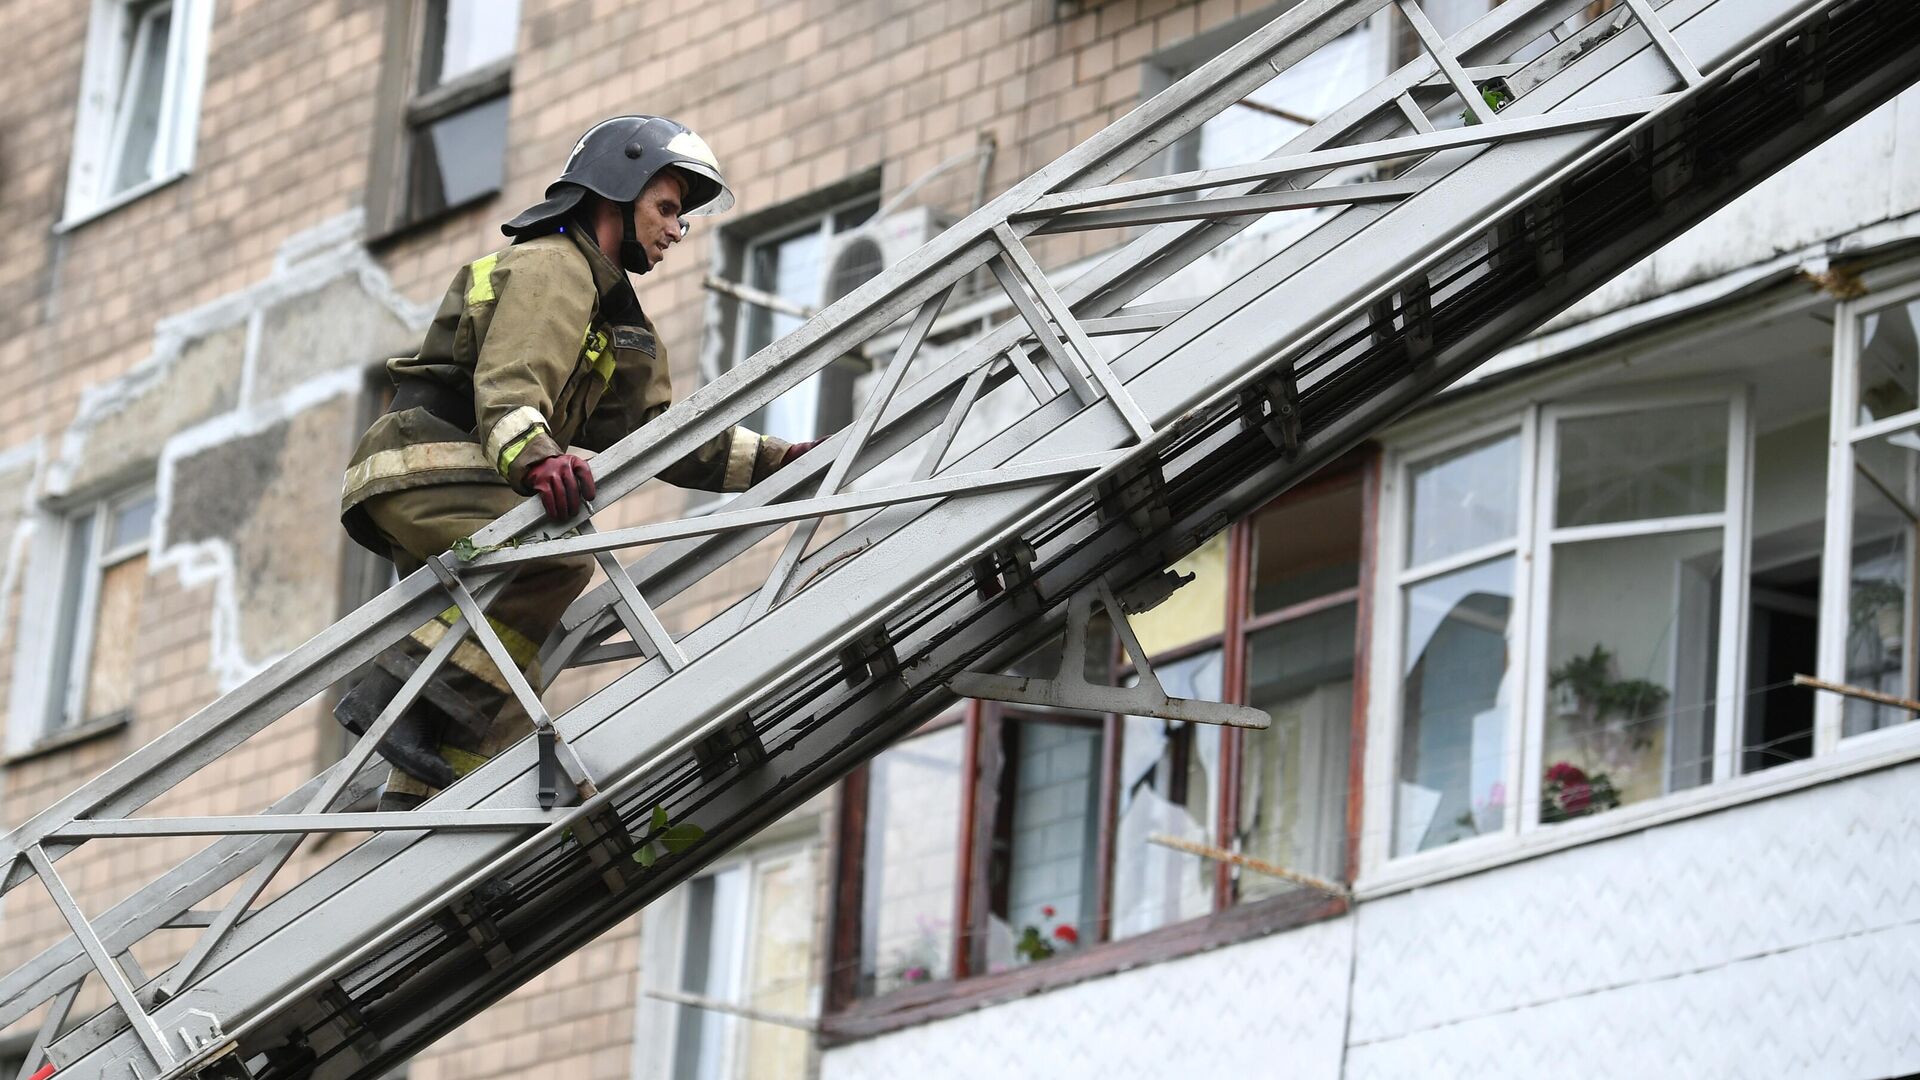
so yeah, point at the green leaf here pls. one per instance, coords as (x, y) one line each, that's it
(464, 550)
(647, 855)
(660, 819)
(682, 836)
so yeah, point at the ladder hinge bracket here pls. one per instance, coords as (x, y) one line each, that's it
(608, 846)
(1146, 595)
(472, 919)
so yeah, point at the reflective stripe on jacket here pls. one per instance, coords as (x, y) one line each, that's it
(550, 342)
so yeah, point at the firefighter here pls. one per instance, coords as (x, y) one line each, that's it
(537, 347)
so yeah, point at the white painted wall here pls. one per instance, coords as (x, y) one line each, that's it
(1867, 174)
(1779, 939)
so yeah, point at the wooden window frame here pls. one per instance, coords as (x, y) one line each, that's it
(848, 1017)
(405, 111)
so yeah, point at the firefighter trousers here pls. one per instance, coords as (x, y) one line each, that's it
(419, 523)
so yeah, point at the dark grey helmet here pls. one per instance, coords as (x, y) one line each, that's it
(615, 160)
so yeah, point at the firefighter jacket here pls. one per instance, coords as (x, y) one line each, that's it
(536, 348)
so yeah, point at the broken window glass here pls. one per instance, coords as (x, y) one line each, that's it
(1456, 693)
(1644, 464)
(1169, 786)
(1889, 365)
(1886, 508)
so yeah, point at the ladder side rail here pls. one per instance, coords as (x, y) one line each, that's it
(1316, 13)
(1090, 417)
(1128, 272)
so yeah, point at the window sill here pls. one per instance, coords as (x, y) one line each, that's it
(131, 195)
(1860, 754)
(67, 738)
(938, 1001)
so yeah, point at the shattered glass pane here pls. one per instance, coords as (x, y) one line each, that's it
(1169, 785)
(1889, 362)
(1464, 500)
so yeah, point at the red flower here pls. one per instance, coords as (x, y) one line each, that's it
(1576, 793)
(1047, 911)
(1566, 772)
(1067, 934)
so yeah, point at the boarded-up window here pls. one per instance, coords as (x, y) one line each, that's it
(104, 580)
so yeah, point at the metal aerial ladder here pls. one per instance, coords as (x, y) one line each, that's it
(1484, 186)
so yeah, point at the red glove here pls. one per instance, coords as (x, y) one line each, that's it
(793, 452)
(563, 482)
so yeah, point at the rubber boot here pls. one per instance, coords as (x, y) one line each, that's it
(412, 743)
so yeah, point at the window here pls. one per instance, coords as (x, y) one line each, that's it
(789, 262)
(139, 100)
(1880, 456)
(95, 636)
(742, 935)
(1603, 601)
(911, 867)
(443, 141)
(1024, 834)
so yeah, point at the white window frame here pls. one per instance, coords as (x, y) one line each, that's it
(1531, 549)
(819, 221)
(34, 715)
(1732, 521)
(1383, 754)
(1837, 561)
(100, 123)
(657, 1022)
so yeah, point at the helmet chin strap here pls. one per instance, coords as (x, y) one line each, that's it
(633, 257)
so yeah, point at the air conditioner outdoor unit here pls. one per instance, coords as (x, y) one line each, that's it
(858, 255)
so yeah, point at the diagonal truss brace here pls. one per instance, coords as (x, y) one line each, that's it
(1016, 268)
(551, 744)
(1069, 689)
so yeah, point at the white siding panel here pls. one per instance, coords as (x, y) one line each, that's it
(1701, 894)
(1272, 1007)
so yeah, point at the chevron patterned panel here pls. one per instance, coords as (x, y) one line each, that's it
(1769, 877)
(1273, 1007)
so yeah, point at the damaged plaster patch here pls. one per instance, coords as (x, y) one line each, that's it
(205, 362)
(246, 410)
(222, 520)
